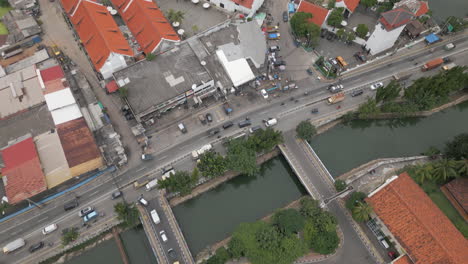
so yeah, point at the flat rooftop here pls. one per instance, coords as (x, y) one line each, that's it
(35, 121)
(170, 74)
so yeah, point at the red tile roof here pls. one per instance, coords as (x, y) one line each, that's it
(52, 73)
(244, 3)
(395, 18)
(457, 193)
(350, 4)
(146, 22)
(23, 176)
(319, 14)
(70, 5)
(423, 8)
(426, 234)
(403, 260)
(112, 86)
(77, 142)
(99, 33)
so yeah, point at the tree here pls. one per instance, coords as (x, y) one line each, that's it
(302, 27)
(325, 242)
(305, 130)
(336, 17)
(368, 3)
(3, 205)
(362, 30)
(361, 212)
(150, 56)
(445, 170)
(212, 164)
(457, 148)
(423, 173)
(123, 92)
(4, 3)
(462, 167)
(181, 182)
(236, 248)
(340, 33)
(175, 16)
(351, 36)
(389, 92)
(268, 238)
(340, 185)
(195, 175)
(288, 221)
(354, 198)
(241, 158)
(220, 257)
(331, 4)
(127, 214)
(368, 109)
(309, 207)
(265, 140)
(69, 235)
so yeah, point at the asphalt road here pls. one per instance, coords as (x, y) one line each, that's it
(97, 192)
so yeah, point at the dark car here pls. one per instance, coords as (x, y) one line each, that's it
(70, 205)
(36, 247)
(360, 56)
(172, 253)
(244, 123)
(279, 63)
(228, 125)
(314, 111)
(310, 71)
(357, 93)
(285, 16)
(209, 117)
(116, 195)
(213, 131)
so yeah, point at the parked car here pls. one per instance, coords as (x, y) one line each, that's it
(255, 128)
(357, 92)
(360, 56)
(279, 63)
(274, 48)
(376, 86)
(202, 119)
(36, 247)
(264, 93)
(310, 71)
(213, 131)
(285, 16)
(85, 211)
(116, 195)
(314, 110)
(228, 125)
(182, 128)
(209, 117)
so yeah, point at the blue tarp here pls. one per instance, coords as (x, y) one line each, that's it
(291, 7)
(432, 38)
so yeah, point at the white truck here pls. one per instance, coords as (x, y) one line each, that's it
(14, 245)
(150, 185)
(155, 217)
(271, 122)
(196, 153)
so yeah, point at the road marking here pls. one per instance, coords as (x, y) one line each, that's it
(163, 157)
(140, 169)
(42, 219)
(93, 193)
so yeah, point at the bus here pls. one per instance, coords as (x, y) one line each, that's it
(341, 61)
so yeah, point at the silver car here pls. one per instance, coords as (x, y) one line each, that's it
(85, 211)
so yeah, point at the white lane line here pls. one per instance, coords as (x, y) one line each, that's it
(140, 169)
(163, 157)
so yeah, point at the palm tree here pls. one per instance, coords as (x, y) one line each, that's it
(424, 173)
(175, 16)
(463, 167)
(362, 211)
(445, 169)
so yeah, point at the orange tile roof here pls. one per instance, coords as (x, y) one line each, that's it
(99, 33)
(426, 234)
(70, 5)
(350, 4)
(403, 260)
(319, 14)
(244, 3)
(146, 22)
(23, 172)
(423, 8)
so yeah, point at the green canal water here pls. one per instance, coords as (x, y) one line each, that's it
(213, 215)
(345, 147)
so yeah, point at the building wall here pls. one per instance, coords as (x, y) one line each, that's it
(86, 167)
(381, 40)
(233, 7)
(114, 63)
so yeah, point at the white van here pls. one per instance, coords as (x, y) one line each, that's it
(14, 245)
(182, 128)
(271, 122)
(155, 217)
(49, 229)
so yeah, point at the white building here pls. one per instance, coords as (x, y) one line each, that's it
(248, 7)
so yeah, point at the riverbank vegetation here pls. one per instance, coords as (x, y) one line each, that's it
(69, 235)
(424, 94)
(241, 157)
(449, 164)
(289, 235)
(127, 214)
(305, 130)
(359, 209)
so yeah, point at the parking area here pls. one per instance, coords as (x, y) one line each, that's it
(196, 18)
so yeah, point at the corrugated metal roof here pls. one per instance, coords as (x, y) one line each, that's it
(52, 73)
(59, 99)
(78, 142)
(66, 114)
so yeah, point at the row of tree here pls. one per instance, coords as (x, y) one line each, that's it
(424, 94)
(241, 157)
(289, 235)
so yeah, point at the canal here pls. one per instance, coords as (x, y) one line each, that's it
(345, 147)
(443, 9)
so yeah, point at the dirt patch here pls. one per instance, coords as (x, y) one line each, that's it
(215, 182)
(26, 53)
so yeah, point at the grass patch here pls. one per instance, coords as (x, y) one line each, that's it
(438, 197)
(4, 10)
(3, 29)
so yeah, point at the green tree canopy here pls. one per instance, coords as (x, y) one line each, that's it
(127, 214)
(241, 158)
(445, 170)
(362, 30)
(181, 182)
(457, 148)
(175, 16)
(335, 17)
(288, 221)
(389, 92)
(302, 27)
(361, 212)
(265, 140)
(331, 4)
(340, 185)
(325, 242)
(69, 235)
(368, 109)
(423, 173)
(305, 130)
(309, 207)
(368, 3)
(212, 164)
(354, 198)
